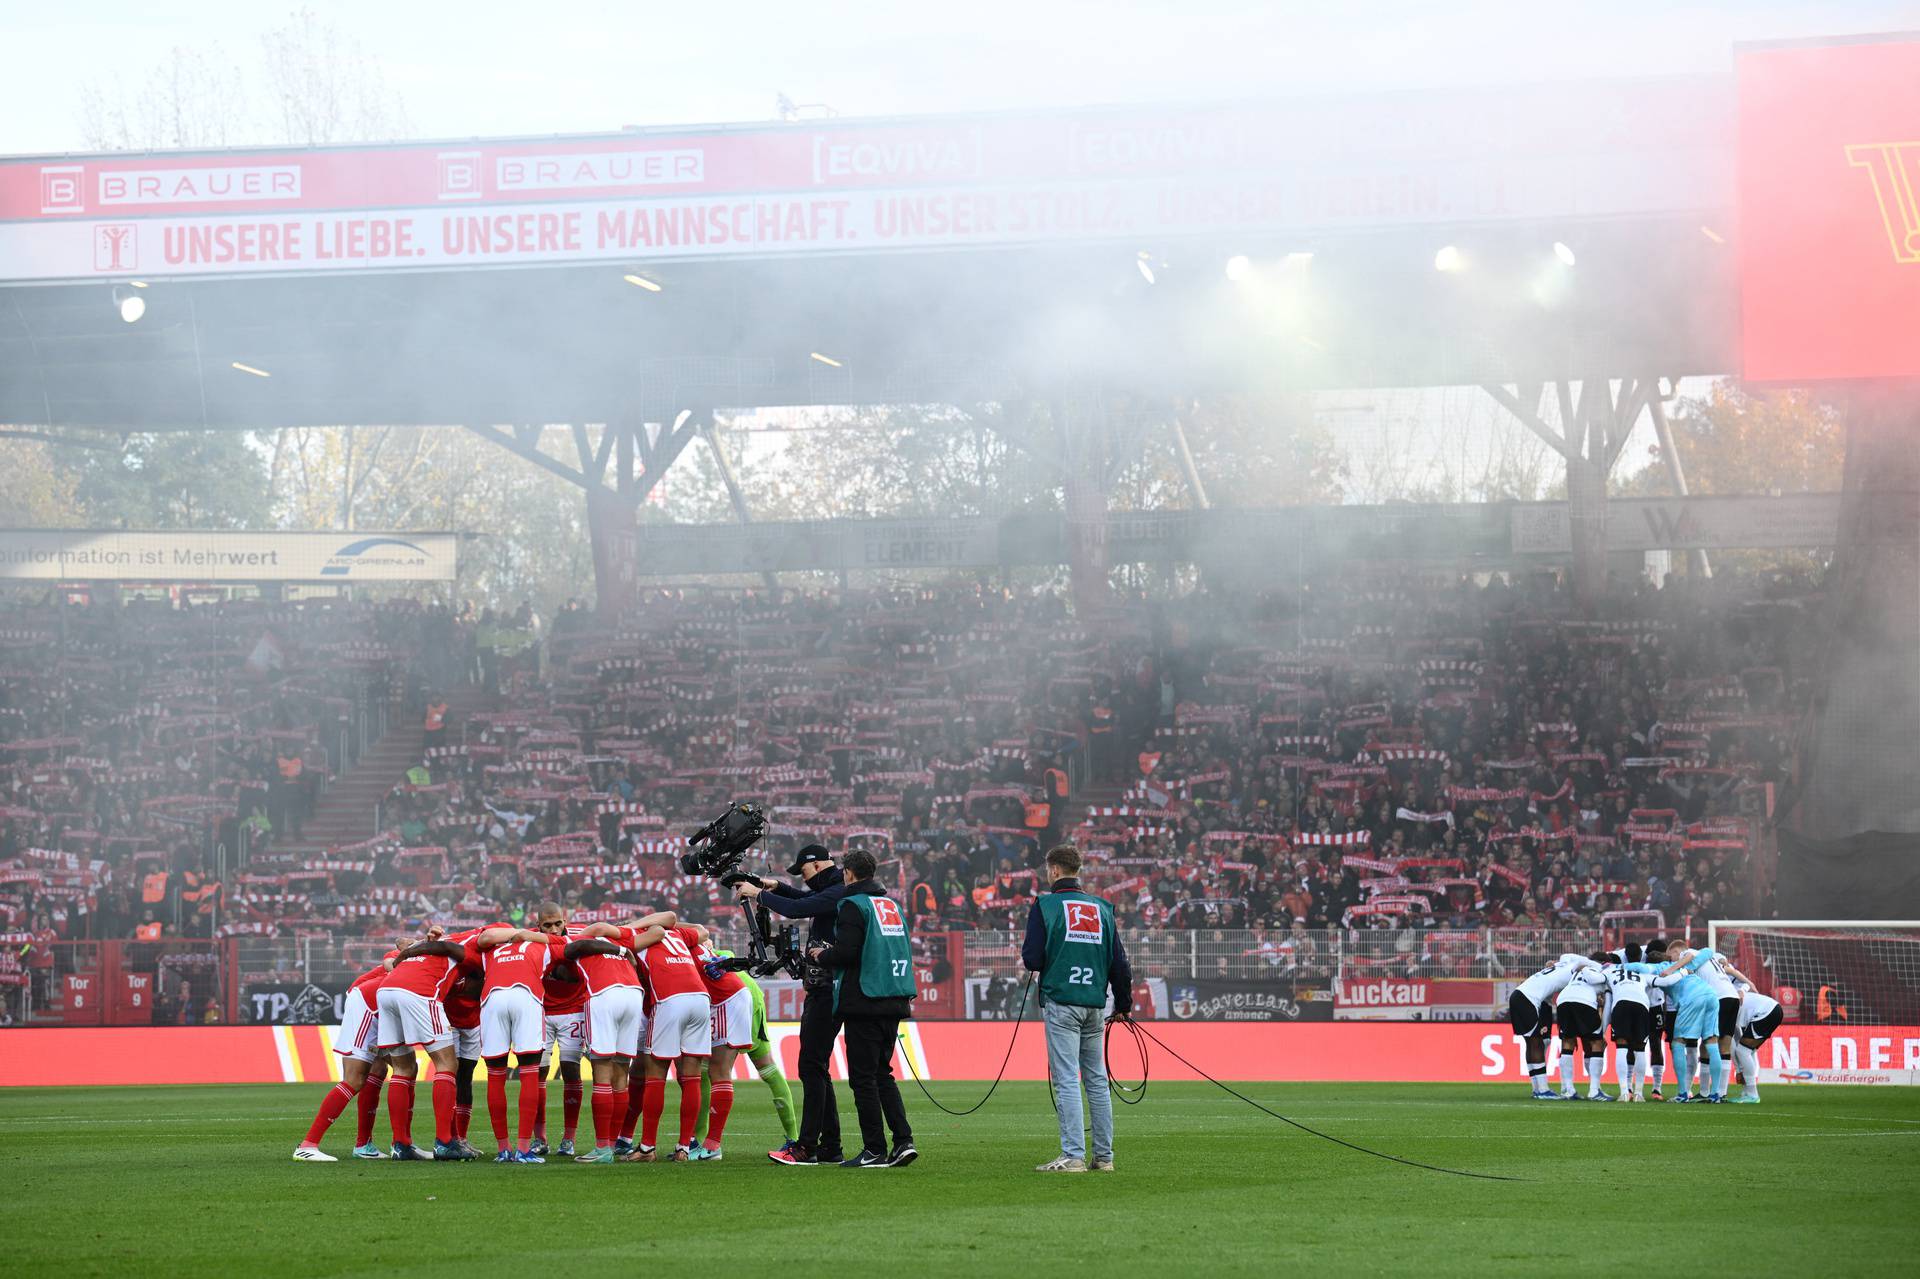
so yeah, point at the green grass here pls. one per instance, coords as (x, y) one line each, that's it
(161, 1181)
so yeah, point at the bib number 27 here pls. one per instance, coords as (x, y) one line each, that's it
(900, 967)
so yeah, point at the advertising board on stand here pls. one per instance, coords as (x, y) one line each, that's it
(1246, 1001)
(1419, 999)
(106, 555)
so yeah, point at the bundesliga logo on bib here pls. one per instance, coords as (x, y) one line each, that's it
(1083, 921)
(887, 914)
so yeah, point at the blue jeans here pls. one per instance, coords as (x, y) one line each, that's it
(1076, 1054)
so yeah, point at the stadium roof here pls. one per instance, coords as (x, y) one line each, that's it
(958, 259)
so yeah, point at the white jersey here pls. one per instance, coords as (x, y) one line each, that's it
(1714, 973)
(1753, 1007)
(1552, 979)
(1584, 988)
(1626, 985)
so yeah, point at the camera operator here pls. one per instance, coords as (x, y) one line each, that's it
(873, 989)
(819, 1140)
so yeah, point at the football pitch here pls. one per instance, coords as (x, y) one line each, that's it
(165, 1181)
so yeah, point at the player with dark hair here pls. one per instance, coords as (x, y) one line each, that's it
(1530, 1012)
(1760, 1016)
(1578, 1015)
(1629, 1018)
(413, 1016)
(463, 1014)
(1660, 1013)
(362, 1068)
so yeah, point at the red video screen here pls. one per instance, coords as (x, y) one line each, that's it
(1829, 211)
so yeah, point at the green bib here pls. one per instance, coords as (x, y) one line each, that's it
(1079, 948)
(886, 960)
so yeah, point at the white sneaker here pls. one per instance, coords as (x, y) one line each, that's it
(313, 1155)
(1101, 1165)
(1063, 1164)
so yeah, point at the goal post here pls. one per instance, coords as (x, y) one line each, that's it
(1836, 972)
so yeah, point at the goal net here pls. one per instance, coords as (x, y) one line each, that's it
(1829, 972)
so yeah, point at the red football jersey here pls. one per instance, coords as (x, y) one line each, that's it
(516, 963)
(565, 997)
(429, 975)
(604, 972)
(463, 1011)
(668, 968)
(721, 988)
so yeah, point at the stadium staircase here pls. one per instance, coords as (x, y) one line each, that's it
(346, 812)
(1085, 800)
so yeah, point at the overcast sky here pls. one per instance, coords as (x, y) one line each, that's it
(485, 67)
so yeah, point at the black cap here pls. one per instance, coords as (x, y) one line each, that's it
(811, 853)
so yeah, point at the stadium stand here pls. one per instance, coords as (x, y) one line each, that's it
(1393, 753)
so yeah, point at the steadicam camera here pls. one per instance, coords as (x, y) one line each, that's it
(719, 846)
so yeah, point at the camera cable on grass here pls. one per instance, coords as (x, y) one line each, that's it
(1134, 1094)
(1139, 1091)
(1018, 1016)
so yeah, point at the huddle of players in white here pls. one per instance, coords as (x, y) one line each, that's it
(1708, 1010)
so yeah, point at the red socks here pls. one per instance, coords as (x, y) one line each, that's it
(330, 1107)
(604, 1121)
(690, 1108)
(636, 1102)
(570, 1102)
(533, 1097)
(369, 1111)
(654, 1100)
(497, 1103)
(444, 1087)
(722, 1107)
(400, 1108)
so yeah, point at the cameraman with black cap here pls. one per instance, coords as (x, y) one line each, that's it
(874, 986)
(819, 1141)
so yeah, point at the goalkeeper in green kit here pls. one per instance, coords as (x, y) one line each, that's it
(729, 1039)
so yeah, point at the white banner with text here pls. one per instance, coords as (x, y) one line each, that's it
(185, 555)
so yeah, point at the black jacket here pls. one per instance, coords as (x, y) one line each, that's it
(820, 904)
(850, 938)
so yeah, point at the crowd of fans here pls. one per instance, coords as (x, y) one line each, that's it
(1361, 754)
